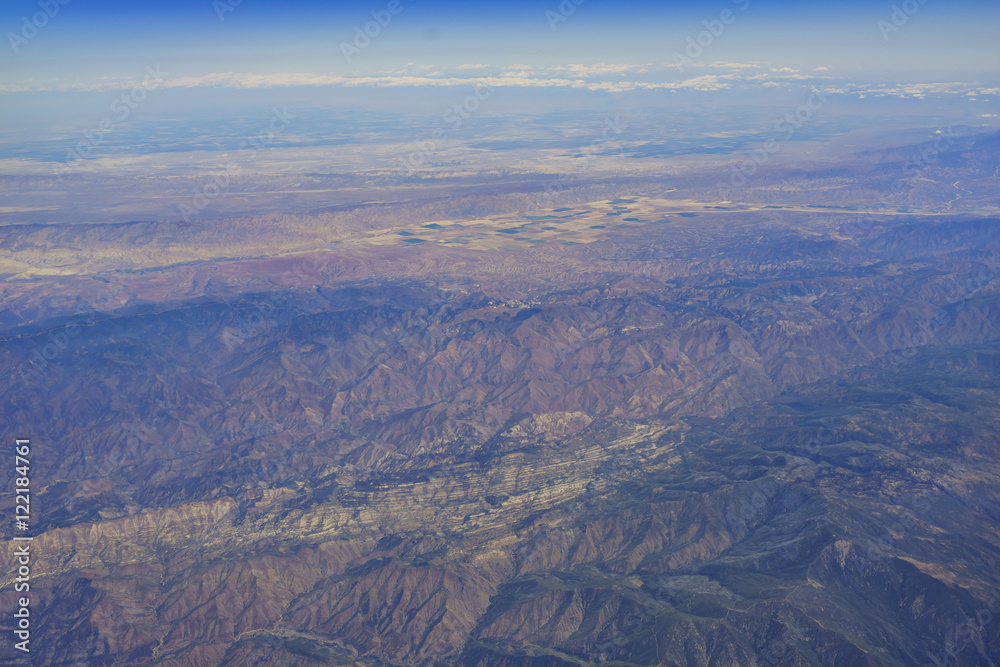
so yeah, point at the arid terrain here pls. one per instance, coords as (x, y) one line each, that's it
(621, 414)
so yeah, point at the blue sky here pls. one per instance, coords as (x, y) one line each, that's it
(90, 41)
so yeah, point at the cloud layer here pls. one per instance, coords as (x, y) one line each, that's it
(601, 77)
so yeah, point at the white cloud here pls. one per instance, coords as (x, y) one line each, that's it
(604, 77)
(706, 82)
(597, 69)
(736, 66)
(917, 90)
(685, 65)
